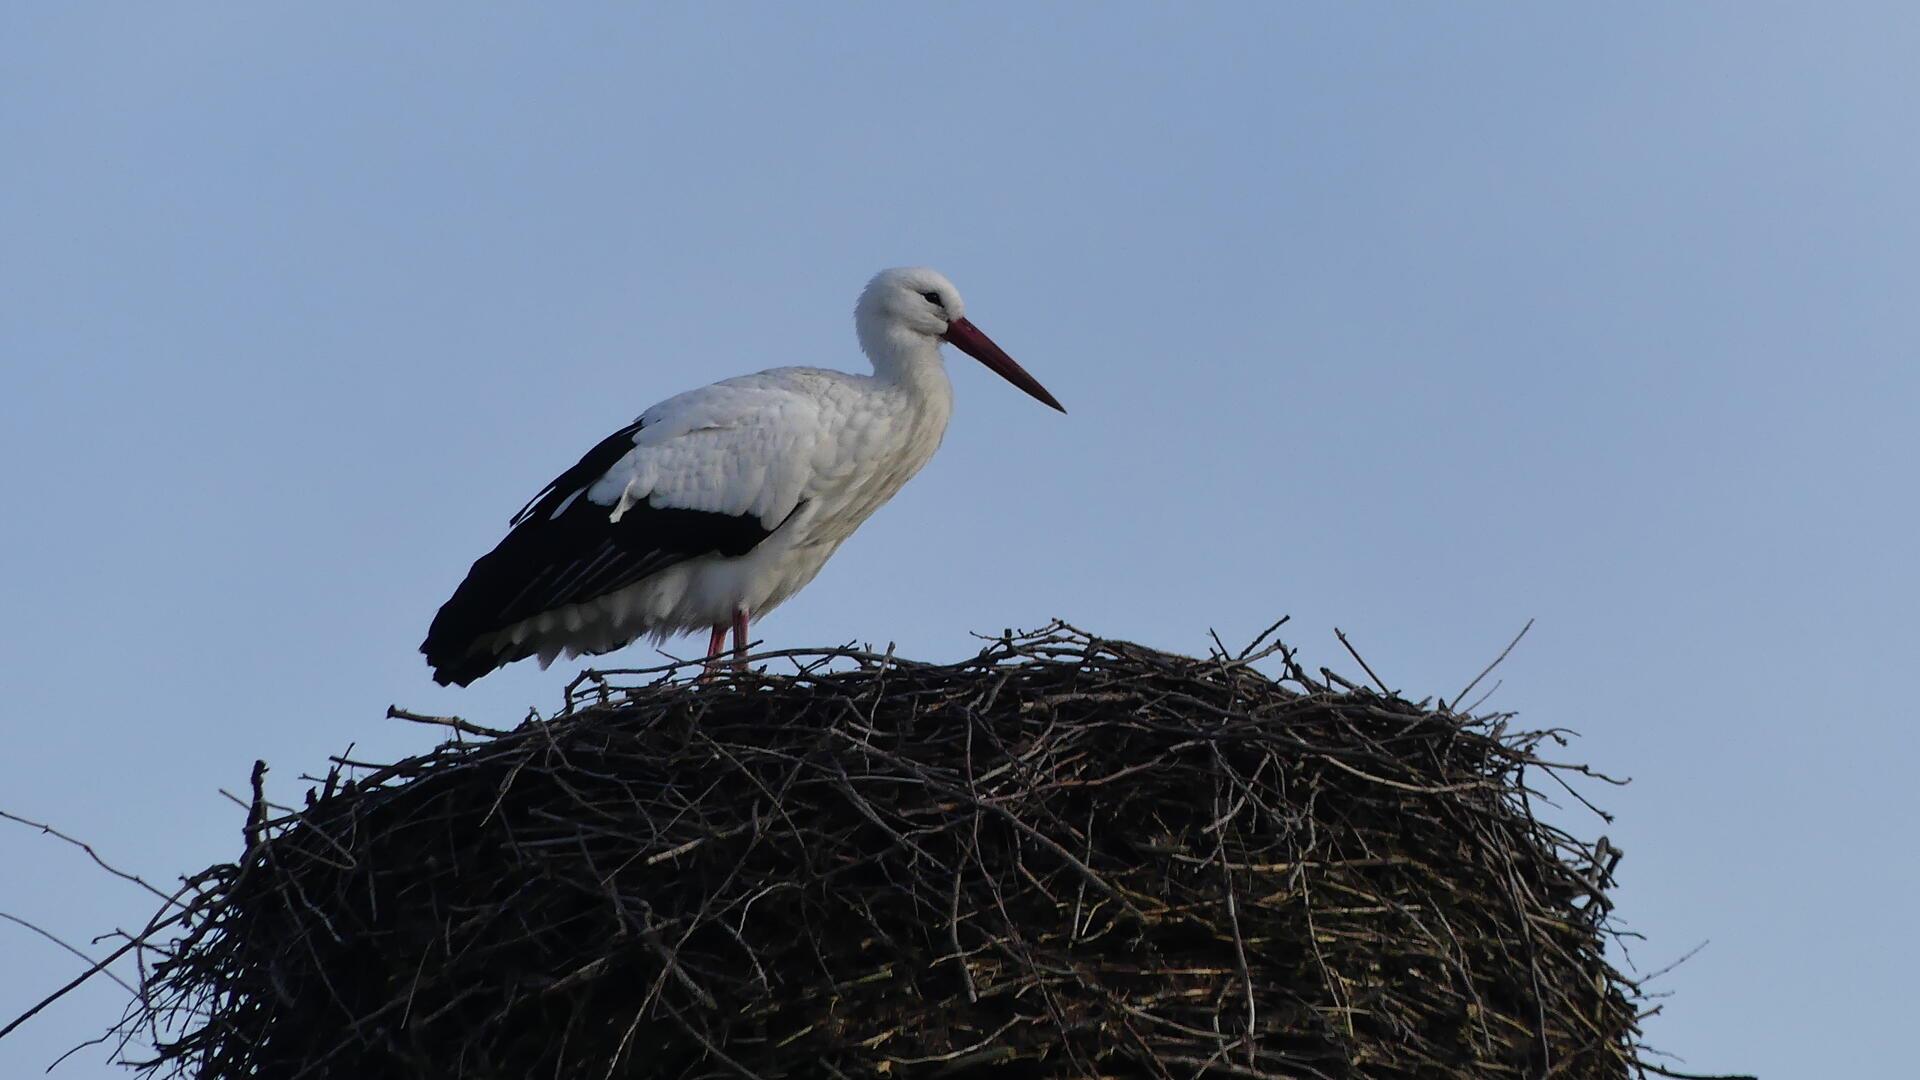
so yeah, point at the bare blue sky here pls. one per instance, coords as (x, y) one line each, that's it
(1415, 321)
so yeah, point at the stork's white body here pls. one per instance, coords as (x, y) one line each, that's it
(810, 453)
(722, 502)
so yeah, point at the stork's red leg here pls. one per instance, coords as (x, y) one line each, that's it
(740, 639)
(715, 643)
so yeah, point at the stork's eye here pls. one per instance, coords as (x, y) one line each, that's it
(933, 298)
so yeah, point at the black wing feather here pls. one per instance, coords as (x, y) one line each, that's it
(604, 455)
(554, 558)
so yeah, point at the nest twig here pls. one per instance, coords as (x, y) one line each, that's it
(1063, 857)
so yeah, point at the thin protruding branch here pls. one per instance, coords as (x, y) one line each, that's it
(91, 853)
(1488, 670)
(1361, 660)
(395, 712)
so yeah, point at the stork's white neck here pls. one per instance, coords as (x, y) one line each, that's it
(911, 361)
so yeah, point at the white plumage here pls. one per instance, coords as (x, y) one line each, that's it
(717, 505)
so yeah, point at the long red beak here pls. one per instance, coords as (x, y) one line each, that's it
(968, 339)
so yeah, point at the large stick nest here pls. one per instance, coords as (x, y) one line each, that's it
(1064, 857)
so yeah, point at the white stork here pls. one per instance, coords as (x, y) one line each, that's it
(716, 505)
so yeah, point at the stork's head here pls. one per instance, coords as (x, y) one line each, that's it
(908, 308)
